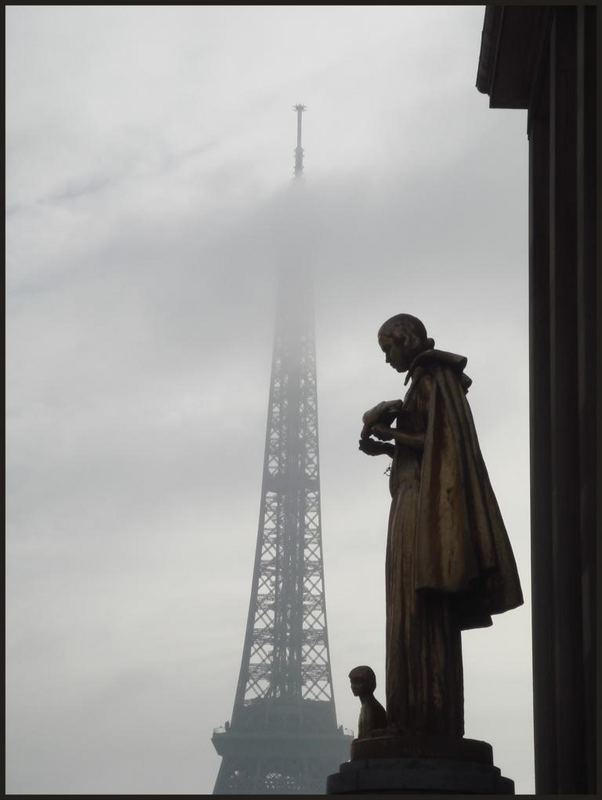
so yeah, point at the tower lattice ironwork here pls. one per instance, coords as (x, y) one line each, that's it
(283, 736)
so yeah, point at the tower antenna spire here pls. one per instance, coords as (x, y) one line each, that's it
(299, 108)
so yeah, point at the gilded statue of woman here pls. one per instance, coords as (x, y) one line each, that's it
(449, 563)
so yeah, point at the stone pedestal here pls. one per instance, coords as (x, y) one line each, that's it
(417, 776)
(407, 766)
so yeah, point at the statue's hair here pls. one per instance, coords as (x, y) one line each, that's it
(408, 325)
(367, 673)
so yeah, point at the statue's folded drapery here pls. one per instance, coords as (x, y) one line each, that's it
(449, 561)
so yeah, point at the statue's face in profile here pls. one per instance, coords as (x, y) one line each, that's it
(359, 685)
(362, 681)
(399, 350)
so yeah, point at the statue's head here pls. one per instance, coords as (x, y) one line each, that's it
(363, 680)
(402, 338)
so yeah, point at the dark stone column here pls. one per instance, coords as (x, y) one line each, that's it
(546, 59)
(542, 585)
(564, 451)
(586, 362)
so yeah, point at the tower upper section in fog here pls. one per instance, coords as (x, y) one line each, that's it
(283, 736)
(299, 108)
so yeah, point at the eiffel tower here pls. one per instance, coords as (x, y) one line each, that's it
(283, 737)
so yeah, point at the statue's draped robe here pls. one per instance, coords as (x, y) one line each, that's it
(449, 562)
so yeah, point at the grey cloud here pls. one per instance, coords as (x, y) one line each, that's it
(140, 314)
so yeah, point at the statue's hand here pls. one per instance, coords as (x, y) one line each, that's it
(382, 432)
(372, 448)
(388, 409)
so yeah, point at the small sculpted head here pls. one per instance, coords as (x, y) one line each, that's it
(402, 338)
(363, 681)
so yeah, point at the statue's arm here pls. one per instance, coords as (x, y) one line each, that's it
(372, 448)
(384, 433)
(414, 439)
(384, 414)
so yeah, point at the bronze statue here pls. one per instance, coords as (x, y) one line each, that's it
(449, 563)
(372, 715)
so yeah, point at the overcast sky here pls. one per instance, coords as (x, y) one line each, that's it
(149, 164)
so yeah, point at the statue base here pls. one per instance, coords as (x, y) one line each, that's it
(395, 745)
(413, 765)
(417, 776)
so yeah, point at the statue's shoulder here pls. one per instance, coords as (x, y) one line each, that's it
(431, 362)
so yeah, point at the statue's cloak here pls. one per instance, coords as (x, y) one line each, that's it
(461, 542)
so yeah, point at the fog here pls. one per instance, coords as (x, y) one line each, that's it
(149, 214)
